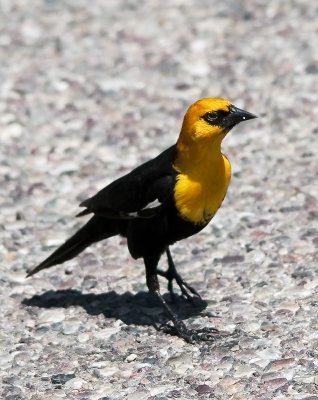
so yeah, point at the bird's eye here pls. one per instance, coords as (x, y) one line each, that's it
(210, 116)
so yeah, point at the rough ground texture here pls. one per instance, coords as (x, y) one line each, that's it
(88, 91)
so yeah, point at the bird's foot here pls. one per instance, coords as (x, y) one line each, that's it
(184, 287)
(191, 335)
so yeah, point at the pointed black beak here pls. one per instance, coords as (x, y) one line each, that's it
(235, 116)
(241, 115)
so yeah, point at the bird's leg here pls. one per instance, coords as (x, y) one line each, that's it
(172, 274)
(189, 335)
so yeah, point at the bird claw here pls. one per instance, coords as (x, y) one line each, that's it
(191, 335)
(184, 286)
(203, 334)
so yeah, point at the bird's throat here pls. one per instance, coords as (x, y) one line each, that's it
(203, 178)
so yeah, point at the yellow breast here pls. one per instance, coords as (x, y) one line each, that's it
(199, 192)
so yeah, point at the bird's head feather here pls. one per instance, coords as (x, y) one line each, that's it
(210, 119)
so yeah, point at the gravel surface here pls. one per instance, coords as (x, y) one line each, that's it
(88, 91)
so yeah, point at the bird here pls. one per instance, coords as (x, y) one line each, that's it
(164, 200)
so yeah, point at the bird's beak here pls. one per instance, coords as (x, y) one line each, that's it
(235, 116)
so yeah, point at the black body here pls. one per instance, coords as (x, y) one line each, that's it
(125, 208)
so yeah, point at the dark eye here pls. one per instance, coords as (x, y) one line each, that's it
(211, 116)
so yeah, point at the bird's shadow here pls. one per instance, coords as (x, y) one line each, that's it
(139, 309)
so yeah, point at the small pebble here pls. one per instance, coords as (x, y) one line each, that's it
(131, 357)
(70, 327)
(203, 389)
(75, 383)
(51, 316)
(61, 379)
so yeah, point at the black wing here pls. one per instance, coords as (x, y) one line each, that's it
(140, 194)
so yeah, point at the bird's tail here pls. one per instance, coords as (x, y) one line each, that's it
(95, 229)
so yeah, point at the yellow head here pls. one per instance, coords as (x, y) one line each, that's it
(208, 120)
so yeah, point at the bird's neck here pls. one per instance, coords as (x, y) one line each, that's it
(199, 155)
(203, 176)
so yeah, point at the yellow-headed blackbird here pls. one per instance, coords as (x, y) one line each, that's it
(166, 199)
